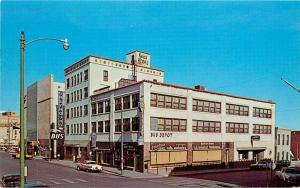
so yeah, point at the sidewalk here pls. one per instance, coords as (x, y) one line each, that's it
(113, 171)
(210, 171)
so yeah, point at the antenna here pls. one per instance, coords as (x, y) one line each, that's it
(291, 85)
(133, 68)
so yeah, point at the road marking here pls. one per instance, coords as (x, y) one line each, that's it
(55, 182)
(82, 180)
(69, 181)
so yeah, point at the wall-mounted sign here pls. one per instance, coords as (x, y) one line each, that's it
(57, 135)
(93, 140)
(255, 137)
(139, 58)
(206, 145)
(60, 111)
(161, 135)
(168, 146)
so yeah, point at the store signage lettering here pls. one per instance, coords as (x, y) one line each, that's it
(161, 135)
(57, 136)
(142, 59)
(168, 146)
(60, 111)
(207, 145)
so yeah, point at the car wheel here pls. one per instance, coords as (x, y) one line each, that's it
(78, 168)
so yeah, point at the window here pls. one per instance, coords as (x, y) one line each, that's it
(80, 94)
(67, 130)
(287, 139)
(282, 155)
(107, 105)
(68, 83)
(68, 115)
(80, 111)
(126, 102)
(107, 126)
(86, 94)
(237, 127)
(118, 123)
(239, 110)
(278, 139)
(75, 80)
(77, 111)
(283, 139)
(85, 128)
(72, 97)
(68, 98)
(105, 75)
(135, 124)
(85, 113)
(166, 101)
(71, 112)
(126, 124)
(94, 109)
(261, 129)
(77, 95)
(206, 126)
(86, 75)
(94, 124)
(72, 131)
(72, 83)
(100, 126)
(80, 77)
(118, 104)
(80, 128)
(206, 106)
(287, 156)
(262, 113)
(170, 124)
(135, 100)
(100, 107)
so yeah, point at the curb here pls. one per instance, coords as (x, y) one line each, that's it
(209, 172)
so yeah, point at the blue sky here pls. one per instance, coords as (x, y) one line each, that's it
(240, 48)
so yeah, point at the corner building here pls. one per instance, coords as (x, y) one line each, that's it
(166, 125)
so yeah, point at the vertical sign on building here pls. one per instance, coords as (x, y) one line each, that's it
(60, 111)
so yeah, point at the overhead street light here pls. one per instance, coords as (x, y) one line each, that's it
(23, 44)
(291, 85)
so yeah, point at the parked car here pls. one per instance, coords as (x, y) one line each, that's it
(289, 176)
(3, 148)
(261, 165)
(89, 166)
(282, 163)
(10, 180)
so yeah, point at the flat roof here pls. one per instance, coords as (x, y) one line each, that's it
(187, 88)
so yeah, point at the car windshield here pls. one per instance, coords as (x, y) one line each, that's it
(292, 171)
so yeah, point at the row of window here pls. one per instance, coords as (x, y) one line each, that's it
(126, 102)
(287, 156)
(283, 141)
(215, 126)
(77, 95)
(100, 107)
(77, 79)
(133, 125)
(166, 101)
(206, 106)
(75, 129)
(77, 112)
(168, 124)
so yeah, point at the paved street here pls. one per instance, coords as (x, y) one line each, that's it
(249, 178)
(59, 176)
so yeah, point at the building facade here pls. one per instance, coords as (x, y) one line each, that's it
(84, 78)
(282, 144)
(9, 129)
(295, 144)
(44, 99)
(164, 125)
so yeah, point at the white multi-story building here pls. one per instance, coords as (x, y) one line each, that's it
(165, 125)
(282, 144)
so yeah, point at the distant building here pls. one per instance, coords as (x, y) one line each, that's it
(295, 141)
(9, 129)
(282, 144)
(42, 100)
(164, 125)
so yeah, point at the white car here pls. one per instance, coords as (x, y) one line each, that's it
(89, 166)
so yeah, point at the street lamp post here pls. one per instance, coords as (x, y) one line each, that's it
(23, 44)
(122, 139)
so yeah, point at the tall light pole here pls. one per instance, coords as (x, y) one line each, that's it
(122, 139)
(23, 44)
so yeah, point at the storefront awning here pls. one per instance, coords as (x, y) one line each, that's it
(251, 148)
(76, 143)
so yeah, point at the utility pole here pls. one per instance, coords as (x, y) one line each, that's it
(122, 138)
